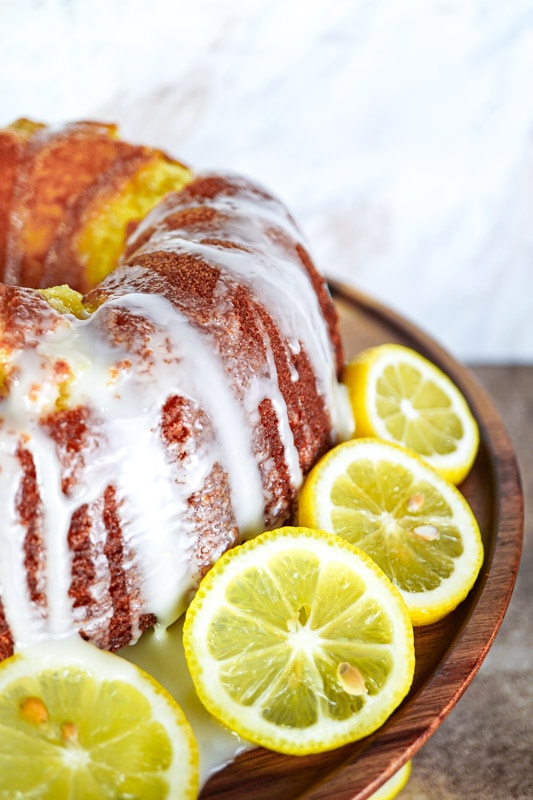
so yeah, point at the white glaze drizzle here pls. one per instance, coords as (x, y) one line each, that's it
(184, 363)
(156, 520)
(282, 284)
(160, 653)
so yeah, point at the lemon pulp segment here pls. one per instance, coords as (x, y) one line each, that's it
(414, 524)
(400, 396)
(90, 727)
(299, 642)
(415, 411)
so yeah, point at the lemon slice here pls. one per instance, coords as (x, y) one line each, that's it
(416, 525)
(298, 642)
(400, 396)
(394, 785)
(79, 723)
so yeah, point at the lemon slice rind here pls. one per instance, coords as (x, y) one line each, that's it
(447, 436)
(209, 614)
(391, 788)
(48, 678)
(317, 509)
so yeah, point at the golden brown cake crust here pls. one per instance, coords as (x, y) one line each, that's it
(208, 360)
(52, 181)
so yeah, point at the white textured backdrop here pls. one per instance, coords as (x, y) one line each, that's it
(399, 132)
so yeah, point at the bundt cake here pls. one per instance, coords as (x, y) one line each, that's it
(168, 373)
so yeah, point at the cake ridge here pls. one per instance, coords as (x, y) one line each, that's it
(172, 410)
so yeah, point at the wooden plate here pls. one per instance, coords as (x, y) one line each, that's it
(448, 653)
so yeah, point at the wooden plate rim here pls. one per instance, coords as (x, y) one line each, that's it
(422, 713)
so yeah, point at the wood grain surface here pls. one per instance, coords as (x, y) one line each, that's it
(448, 653)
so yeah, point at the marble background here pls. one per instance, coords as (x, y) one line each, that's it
(399, 133)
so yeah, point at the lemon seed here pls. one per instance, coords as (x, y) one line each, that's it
(427, 532)
(69, 732)
(351, 679)
(34, 710)
(415, 502)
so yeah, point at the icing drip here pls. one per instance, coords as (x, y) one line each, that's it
(213, 333)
